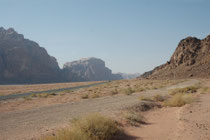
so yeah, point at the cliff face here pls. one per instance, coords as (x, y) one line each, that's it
(89, 69)
(190, 59)
(24, 61)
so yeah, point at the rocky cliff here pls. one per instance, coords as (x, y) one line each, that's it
(88, 69)
(24, 61)
(190, 59)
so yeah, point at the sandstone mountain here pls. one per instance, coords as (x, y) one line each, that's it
(129, 76)
(24, 61)
(88, 69)
(190, 59)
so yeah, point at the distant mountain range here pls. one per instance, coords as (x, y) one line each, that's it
(129, 76)
(23, 61)
(191, 59)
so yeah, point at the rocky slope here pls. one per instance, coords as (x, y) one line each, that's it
(190, 59)
(24, 61)
(88, 69)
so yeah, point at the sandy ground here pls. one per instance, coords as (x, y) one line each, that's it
(34, 122)
(190, 122)
(18, 89)
(29, 102)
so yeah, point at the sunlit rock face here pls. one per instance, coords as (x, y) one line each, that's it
(190, 59)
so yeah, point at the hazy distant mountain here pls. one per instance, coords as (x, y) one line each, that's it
(129, 76)
(24, 61)
(88, 69)
(190, 59)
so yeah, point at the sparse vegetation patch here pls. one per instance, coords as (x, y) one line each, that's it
(191, 89)
(134, 118)
(179, 100)
(92, 127)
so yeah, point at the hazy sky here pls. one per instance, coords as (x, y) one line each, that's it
(130, 35)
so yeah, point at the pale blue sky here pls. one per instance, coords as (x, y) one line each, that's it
(130, 35)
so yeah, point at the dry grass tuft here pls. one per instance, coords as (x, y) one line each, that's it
(179, 100)
(95, 95)
(43, 95)
(191, 89)
(114, 92)
(205, 90)
(93, 127)
(85, 96)
(128, 91)
(144, 106)
(134, 118)
(160, 98)
(155, 98)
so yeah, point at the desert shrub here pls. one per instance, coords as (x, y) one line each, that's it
(139, 89)
(95, 95)
(159, 98)
(85, 96)
(128, 91)
(93, 127)
(145, 98)
(27, 98)
(156, 98)
(144, 106)
(134, 118)
(191, 89)
(114, 92)
(205, 90)
(45, 95)
(179, 100)
(33, 95)
(68, 91)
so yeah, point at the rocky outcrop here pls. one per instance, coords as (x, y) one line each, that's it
(88, 69)
(190, 59)
(24, 61)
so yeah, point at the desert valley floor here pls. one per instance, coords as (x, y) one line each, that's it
(38, 115)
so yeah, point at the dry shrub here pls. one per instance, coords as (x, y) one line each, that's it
(85, 96)
(134, 118)
(93, 127)
(95, 95)
(156, 98)
(139, 89)
(179, 100)
(159, 98)
(144, 106)
(205, 90)
(128, 91)
(191, 89)
(43, 95)
(114, 92)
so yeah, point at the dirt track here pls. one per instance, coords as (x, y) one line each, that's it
(190, 122)
(28, 124)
